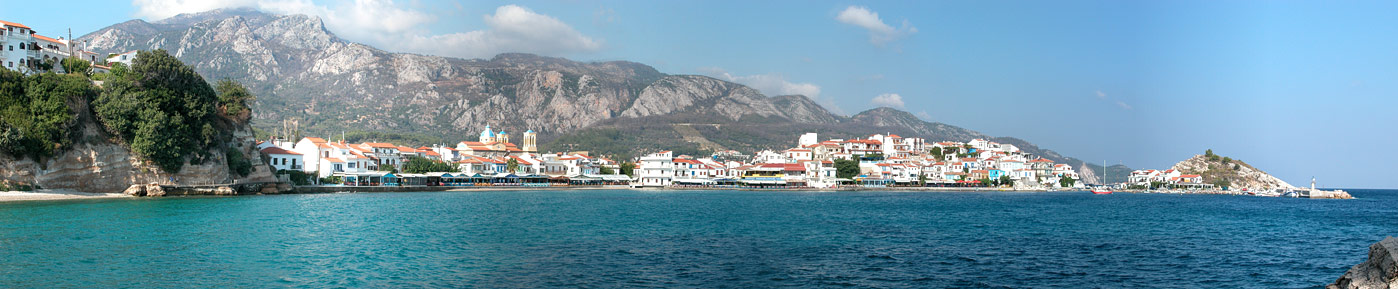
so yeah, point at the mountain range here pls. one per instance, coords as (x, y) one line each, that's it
(302, 72)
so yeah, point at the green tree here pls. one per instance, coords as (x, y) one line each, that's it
(74, 65)
(234, 99)
(45, 65)
(1006, 180)
(846, 169)
(1066, 182)
(922, 180)
(162, 108)
(418, 165)
(36, 109)
(237, 163)
(512, 165)
(628, 169)
(606, 170)
(1222, 183)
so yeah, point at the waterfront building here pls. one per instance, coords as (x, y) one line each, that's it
(283, 159)
(656, 170)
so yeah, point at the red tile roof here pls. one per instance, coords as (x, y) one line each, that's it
(278, 151)
(7, 23)
(46, 38)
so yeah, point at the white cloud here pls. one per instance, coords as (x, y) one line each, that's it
(1103, 96)
(161, 9)
(888, 100)
(924, 115)
(775, 84)
(512, 29)
(387, 25)
(770, 84)
(880, 33)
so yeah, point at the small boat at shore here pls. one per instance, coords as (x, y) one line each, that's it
(1103, 190)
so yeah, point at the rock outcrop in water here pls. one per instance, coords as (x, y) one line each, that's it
(1379, 272)
(1227, 172)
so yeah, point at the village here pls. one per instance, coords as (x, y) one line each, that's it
(493, 159)
(874, 161)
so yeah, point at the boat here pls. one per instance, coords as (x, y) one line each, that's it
(1103, 189)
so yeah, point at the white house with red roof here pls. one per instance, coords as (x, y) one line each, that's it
(19, 50)
(798, 154)
(283, 159)
(312, 150)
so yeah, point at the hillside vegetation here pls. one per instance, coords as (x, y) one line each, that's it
(160, 108)
(35, 119)
(1224, 171)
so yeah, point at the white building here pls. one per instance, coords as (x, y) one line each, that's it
(283, 159)
(123, 58)
(655, 170)
(19, 50)
(807, 140)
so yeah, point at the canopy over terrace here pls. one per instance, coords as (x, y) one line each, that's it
(368, 179)
(692, 182)
(584, 180)
(613, 179)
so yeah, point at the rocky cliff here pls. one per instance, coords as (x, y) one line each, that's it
(1229, 172)
(97, 162)
(1380, 271)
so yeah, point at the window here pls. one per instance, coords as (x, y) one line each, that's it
(21, 46)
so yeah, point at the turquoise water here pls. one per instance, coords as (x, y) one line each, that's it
(719, 239)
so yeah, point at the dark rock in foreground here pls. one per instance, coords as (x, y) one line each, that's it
(1379, 272)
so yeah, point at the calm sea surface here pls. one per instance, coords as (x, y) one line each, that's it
(715, 239)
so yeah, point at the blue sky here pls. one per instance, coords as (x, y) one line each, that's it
(1298, 89)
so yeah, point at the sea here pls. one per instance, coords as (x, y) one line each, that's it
(691, 239)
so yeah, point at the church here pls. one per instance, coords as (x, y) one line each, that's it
(497, 144)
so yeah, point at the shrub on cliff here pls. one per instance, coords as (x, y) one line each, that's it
(237, 163)
(234, 100)
(163, 109)
(34, 114)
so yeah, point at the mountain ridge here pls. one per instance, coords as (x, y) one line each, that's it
(303, 72)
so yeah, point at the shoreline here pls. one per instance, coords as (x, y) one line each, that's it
(62, 194)
(52, 195)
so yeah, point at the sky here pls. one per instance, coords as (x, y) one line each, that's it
(1300, 89)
